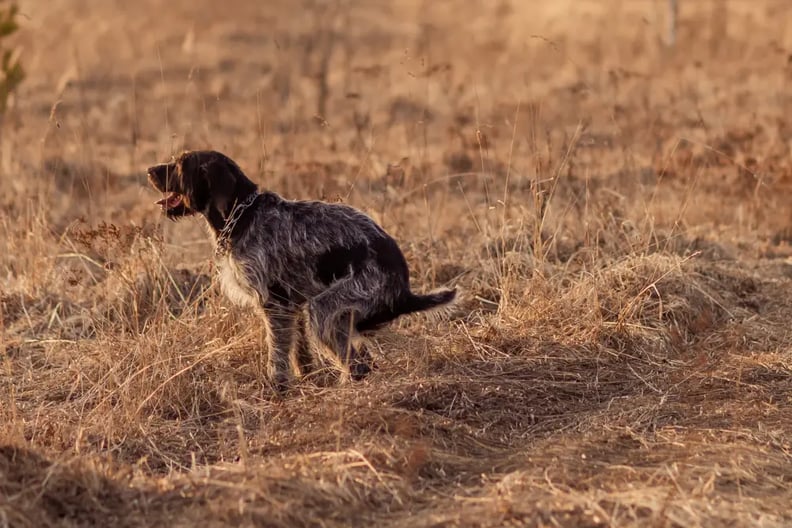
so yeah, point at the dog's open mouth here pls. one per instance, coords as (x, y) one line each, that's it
(172, 201)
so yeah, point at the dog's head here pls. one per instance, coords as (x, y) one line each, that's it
(200, 181)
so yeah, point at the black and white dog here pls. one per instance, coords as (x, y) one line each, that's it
(329, 265)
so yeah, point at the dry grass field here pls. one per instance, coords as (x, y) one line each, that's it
(617, 214)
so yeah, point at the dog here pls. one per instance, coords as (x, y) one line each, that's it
(311, 267)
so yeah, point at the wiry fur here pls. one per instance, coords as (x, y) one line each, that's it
(312, 266)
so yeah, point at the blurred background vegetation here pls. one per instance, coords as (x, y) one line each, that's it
(12, 72)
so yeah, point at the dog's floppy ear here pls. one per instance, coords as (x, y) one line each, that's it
(209, 182)
(194, 181)
(222, 182)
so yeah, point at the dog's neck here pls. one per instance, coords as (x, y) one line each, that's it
(232, 225)
(218, 215)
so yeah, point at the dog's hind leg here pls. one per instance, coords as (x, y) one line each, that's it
(333, 315)
(342, 338)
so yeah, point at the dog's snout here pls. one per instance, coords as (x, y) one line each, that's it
(156, 170)
(158, 176)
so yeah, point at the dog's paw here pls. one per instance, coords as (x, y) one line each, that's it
(358, 371)
(281, 382)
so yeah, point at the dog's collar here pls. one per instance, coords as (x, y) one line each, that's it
(224, 238)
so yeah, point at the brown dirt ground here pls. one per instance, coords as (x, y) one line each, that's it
(616, 212)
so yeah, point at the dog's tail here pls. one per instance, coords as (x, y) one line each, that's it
(419, 303)
(436, 300)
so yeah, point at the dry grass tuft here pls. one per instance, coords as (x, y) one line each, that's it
(617, 221)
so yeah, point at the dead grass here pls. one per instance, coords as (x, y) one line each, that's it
(615, 212)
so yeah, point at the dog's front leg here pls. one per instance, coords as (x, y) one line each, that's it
(307, 362)
(282, 322)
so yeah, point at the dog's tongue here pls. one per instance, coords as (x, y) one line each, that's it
(171, 201)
